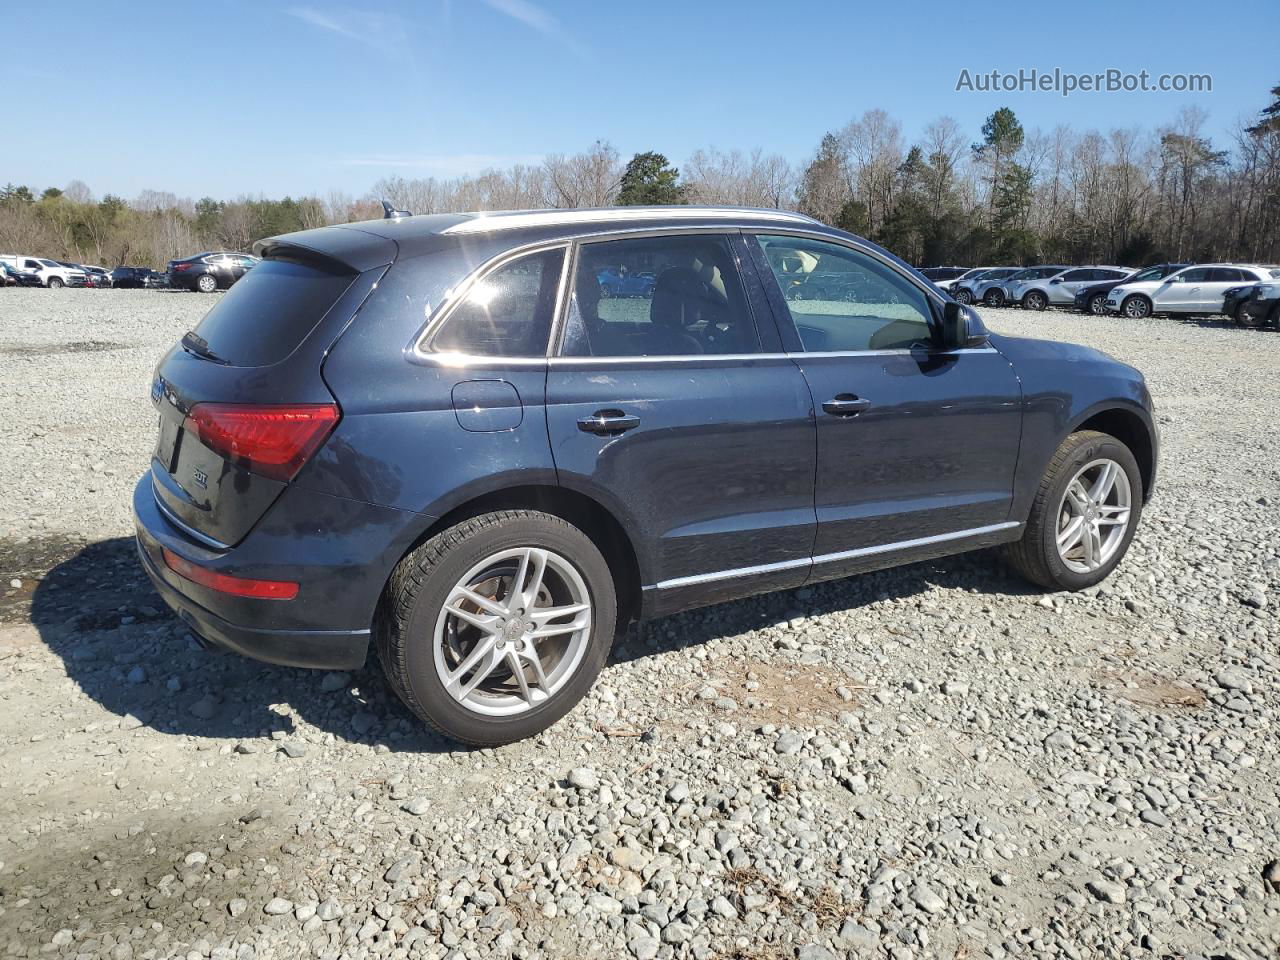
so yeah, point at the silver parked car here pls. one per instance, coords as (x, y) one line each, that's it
(1196, 289)
(950, 285)
(965, 290)
(994, 291)
(1060, 289)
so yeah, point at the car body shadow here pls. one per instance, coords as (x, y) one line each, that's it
(94, 607)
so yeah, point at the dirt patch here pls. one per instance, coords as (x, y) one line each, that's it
(28, 561)
(56, 349)
(785, 693)
(1148, 690)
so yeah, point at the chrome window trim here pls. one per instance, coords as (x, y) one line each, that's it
(193, 534)
(521, 219)
(718, 575)
(475, 360)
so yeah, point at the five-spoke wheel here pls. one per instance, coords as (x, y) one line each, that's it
(1094, 515)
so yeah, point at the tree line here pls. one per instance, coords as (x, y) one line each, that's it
(1010, 195)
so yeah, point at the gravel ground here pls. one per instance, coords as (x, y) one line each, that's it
(930, 761)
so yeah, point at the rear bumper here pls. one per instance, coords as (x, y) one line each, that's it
(324, 650)
(264, 630)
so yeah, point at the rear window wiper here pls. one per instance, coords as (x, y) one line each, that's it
(192, 342)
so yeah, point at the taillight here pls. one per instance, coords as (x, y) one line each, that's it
(271, 440)
(237, 586)
(179, 267)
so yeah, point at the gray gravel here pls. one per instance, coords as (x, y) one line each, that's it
(931, 761)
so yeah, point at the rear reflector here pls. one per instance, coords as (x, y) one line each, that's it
(237, 586)
(272, 441)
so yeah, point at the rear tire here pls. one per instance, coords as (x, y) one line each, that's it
(1035, 300)
(1037, 556)
(206, 283)
(994, 298)
(424, 646)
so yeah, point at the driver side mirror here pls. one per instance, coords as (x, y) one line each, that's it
(961, 327)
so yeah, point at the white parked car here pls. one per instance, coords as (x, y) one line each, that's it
(1060, 289)
(965, 290)
(949, 285)
(1197, 289)
(51, 273)
(994, 292)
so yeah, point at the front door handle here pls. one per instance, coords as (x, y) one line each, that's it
(608, 422)
(845, 405)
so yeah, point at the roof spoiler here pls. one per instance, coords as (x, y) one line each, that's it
(391, 213)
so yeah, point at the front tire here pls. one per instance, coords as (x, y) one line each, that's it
(55, 283)
(963, 296)
(1136, 308)
(206, 283)
(495, 628)
(1098, 304)
(1245, 319)
(1084, 514)
(1035, 300)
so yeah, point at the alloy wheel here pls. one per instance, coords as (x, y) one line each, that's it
(512, 631)
(1098, 304)
(1094, 515)
(1136, 308)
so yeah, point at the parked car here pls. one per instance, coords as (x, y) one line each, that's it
(607, 459)
(50, 273)
(963, 289)
(77, 276)
(207, 272)
(949, 285)
(994, 291)
(623, 284)
(136, 278)
(1261, 307)
(940, 274)
(99, 277)
(1093, 298)
(1060, 289)
(1191, 290)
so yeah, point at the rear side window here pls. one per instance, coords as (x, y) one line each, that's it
(506, 313)
(266, 315)
(669, 296)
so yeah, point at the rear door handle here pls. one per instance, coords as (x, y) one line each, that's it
(845, 405)
(608, 422)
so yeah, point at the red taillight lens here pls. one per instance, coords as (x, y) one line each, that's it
(272, 441)
(237, 586)
(179, 267)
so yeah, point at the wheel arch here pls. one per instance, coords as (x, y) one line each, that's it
(1131, 429)
(590, 516)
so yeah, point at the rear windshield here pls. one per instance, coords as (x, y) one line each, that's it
(265, 315)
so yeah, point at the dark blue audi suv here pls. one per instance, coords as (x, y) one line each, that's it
(434, 435)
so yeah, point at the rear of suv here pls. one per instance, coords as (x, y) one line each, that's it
(435, 436)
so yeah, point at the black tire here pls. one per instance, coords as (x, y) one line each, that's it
(1136, 307)
(994, 298)
(1035, 300)
(1243, 318)
(1274, 319)
(963, 295)
(419, 586)
(206, 283)
(55, 283)
(1036, 556)
(1098, 304)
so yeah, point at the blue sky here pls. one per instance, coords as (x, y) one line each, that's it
(300, 97)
